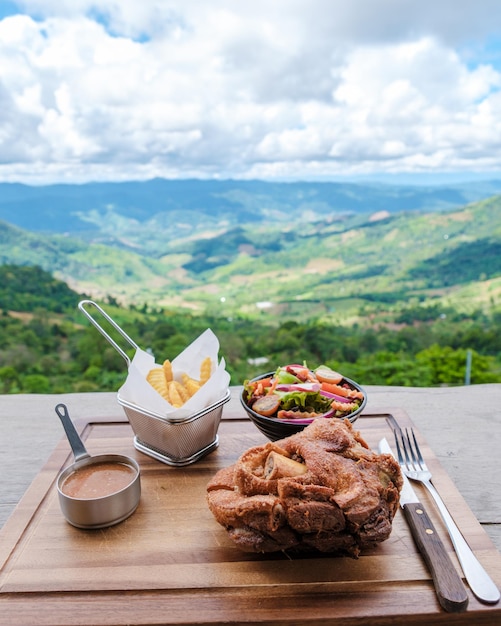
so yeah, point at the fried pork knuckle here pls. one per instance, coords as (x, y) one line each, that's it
(322, 489)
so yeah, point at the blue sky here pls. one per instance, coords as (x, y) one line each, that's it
(8, 8)
(394, 90)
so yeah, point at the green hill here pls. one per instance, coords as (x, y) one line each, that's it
(27, 288)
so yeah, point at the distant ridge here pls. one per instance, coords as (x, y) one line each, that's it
(82, 208)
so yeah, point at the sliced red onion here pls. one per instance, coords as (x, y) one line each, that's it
(334, 396)
(308, 387)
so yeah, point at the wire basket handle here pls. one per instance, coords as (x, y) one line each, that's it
(81, 306)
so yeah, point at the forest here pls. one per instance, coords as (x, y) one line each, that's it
(48, 346)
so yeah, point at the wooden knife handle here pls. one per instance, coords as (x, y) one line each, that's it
(450, 590)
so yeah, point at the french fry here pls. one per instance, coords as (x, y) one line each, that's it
(156, 379)
(167, 369)
(191, 384)
(175, 397)
(181, 390)
(205, 370)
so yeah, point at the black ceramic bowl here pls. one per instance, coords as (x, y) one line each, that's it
(275, 429)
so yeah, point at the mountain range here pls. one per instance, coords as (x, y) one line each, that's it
(256, 248)
(147, 213)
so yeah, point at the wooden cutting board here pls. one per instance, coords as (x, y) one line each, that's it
(171, 563)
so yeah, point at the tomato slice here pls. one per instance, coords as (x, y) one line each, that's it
(267, 405)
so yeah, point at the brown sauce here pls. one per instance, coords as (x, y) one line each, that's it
(97, 480)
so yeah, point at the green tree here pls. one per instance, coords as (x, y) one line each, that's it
(9, 379)
(35, 383)
(448, 366)
(389, 368)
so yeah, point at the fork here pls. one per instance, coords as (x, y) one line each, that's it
(414, 467)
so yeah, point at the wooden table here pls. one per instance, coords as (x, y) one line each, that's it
(170, 563)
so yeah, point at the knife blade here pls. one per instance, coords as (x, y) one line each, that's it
(449, 587)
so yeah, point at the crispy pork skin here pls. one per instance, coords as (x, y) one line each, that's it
(321, 489)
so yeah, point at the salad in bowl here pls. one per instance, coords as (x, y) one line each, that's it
(297, 394)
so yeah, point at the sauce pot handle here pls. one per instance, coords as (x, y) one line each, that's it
(76, 443)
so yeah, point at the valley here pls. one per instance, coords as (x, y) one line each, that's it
(343, 266)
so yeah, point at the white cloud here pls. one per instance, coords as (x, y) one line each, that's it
(116, 89)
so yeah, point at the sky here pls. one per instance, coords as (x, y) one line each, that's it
(94, 90)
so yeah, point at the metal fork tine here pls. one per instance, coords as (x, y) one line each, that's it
(403, 458)
(399, 452)
(418, 452)
(412, 456)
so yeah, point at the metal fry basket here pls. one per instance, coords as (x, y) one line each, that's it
(171, 441)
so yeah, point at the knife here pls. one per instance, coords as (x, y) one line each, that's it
(449, 587)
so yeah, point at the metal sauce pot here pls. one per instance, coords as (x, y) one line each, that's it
(115, 479)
